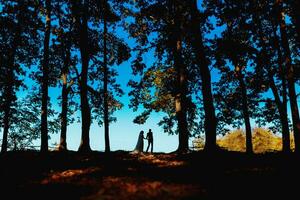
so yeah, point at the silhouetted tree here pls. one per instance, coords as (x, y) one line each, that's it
(270, 59)
(180, 93)
(235, 46)
(25, 128)
(256, 52)
(105, 78)
(280, 14)
(110, 50)
(203, 64)
(119, 52)
(169, 76)
(80, 12)
(66, 87)
(45, 70)
(294, 7)
(63, 59)
(19, 47)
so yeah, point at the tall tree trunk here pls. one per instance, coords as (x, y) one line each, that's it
(105, 82)
(9, 86)
(64, 103)
(245, 111)
(296, 17)
(181, 90)
(282, 105)
(8, 96)
(290, 77)
(5, 129)
(85, 108)
(7, 112)
(180, 100)
(44, 112)
(208, 103)
(283, 117)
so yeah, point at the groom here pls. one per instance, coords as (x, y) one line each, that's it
(150, 140)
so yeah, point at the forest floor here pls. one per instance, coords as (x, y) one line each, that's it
(123, 175)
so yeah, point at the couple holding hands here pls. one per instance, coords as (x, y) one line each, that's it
(140, 143)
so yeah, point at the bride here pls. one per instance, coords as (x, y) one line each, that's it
(140, 143)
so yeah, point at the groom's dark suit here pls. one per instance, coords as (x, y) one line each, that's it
(150, 140)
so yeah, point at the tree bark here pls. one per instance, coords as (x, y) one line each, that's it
(7, 110)
(5, 129)
(64, 103)
(85, 108)
(245, 111)
(282, 105)
(210, 122)
(296, 17)
(105, 83)
(180, 106)
(8, 96)
(283, 117)
(181, 89)
(9, 86)
(45, 69)
(290, 77)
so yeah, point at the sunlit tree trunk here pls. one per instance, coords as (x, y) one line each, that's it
(64, 103)
(208, 103)
(45, 69)
(290, 76)
(105, 82)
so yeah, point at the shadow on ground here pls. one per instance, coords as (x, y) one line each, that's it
(123, 175)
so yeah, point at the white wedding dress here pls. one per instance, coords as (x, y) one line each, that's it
(140, 143)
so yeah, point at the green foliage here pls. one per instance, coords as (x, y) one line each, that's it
(19, 44)
(198, 144)
(25, 123)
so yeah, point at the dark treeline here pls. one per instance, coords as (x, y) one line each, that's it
(202, 82)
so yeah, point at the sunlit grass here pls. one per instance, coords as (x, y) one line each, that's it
(263, 141)
(161, 161)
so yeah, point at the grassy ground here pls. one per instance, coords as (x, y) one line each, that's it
(122, 175)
